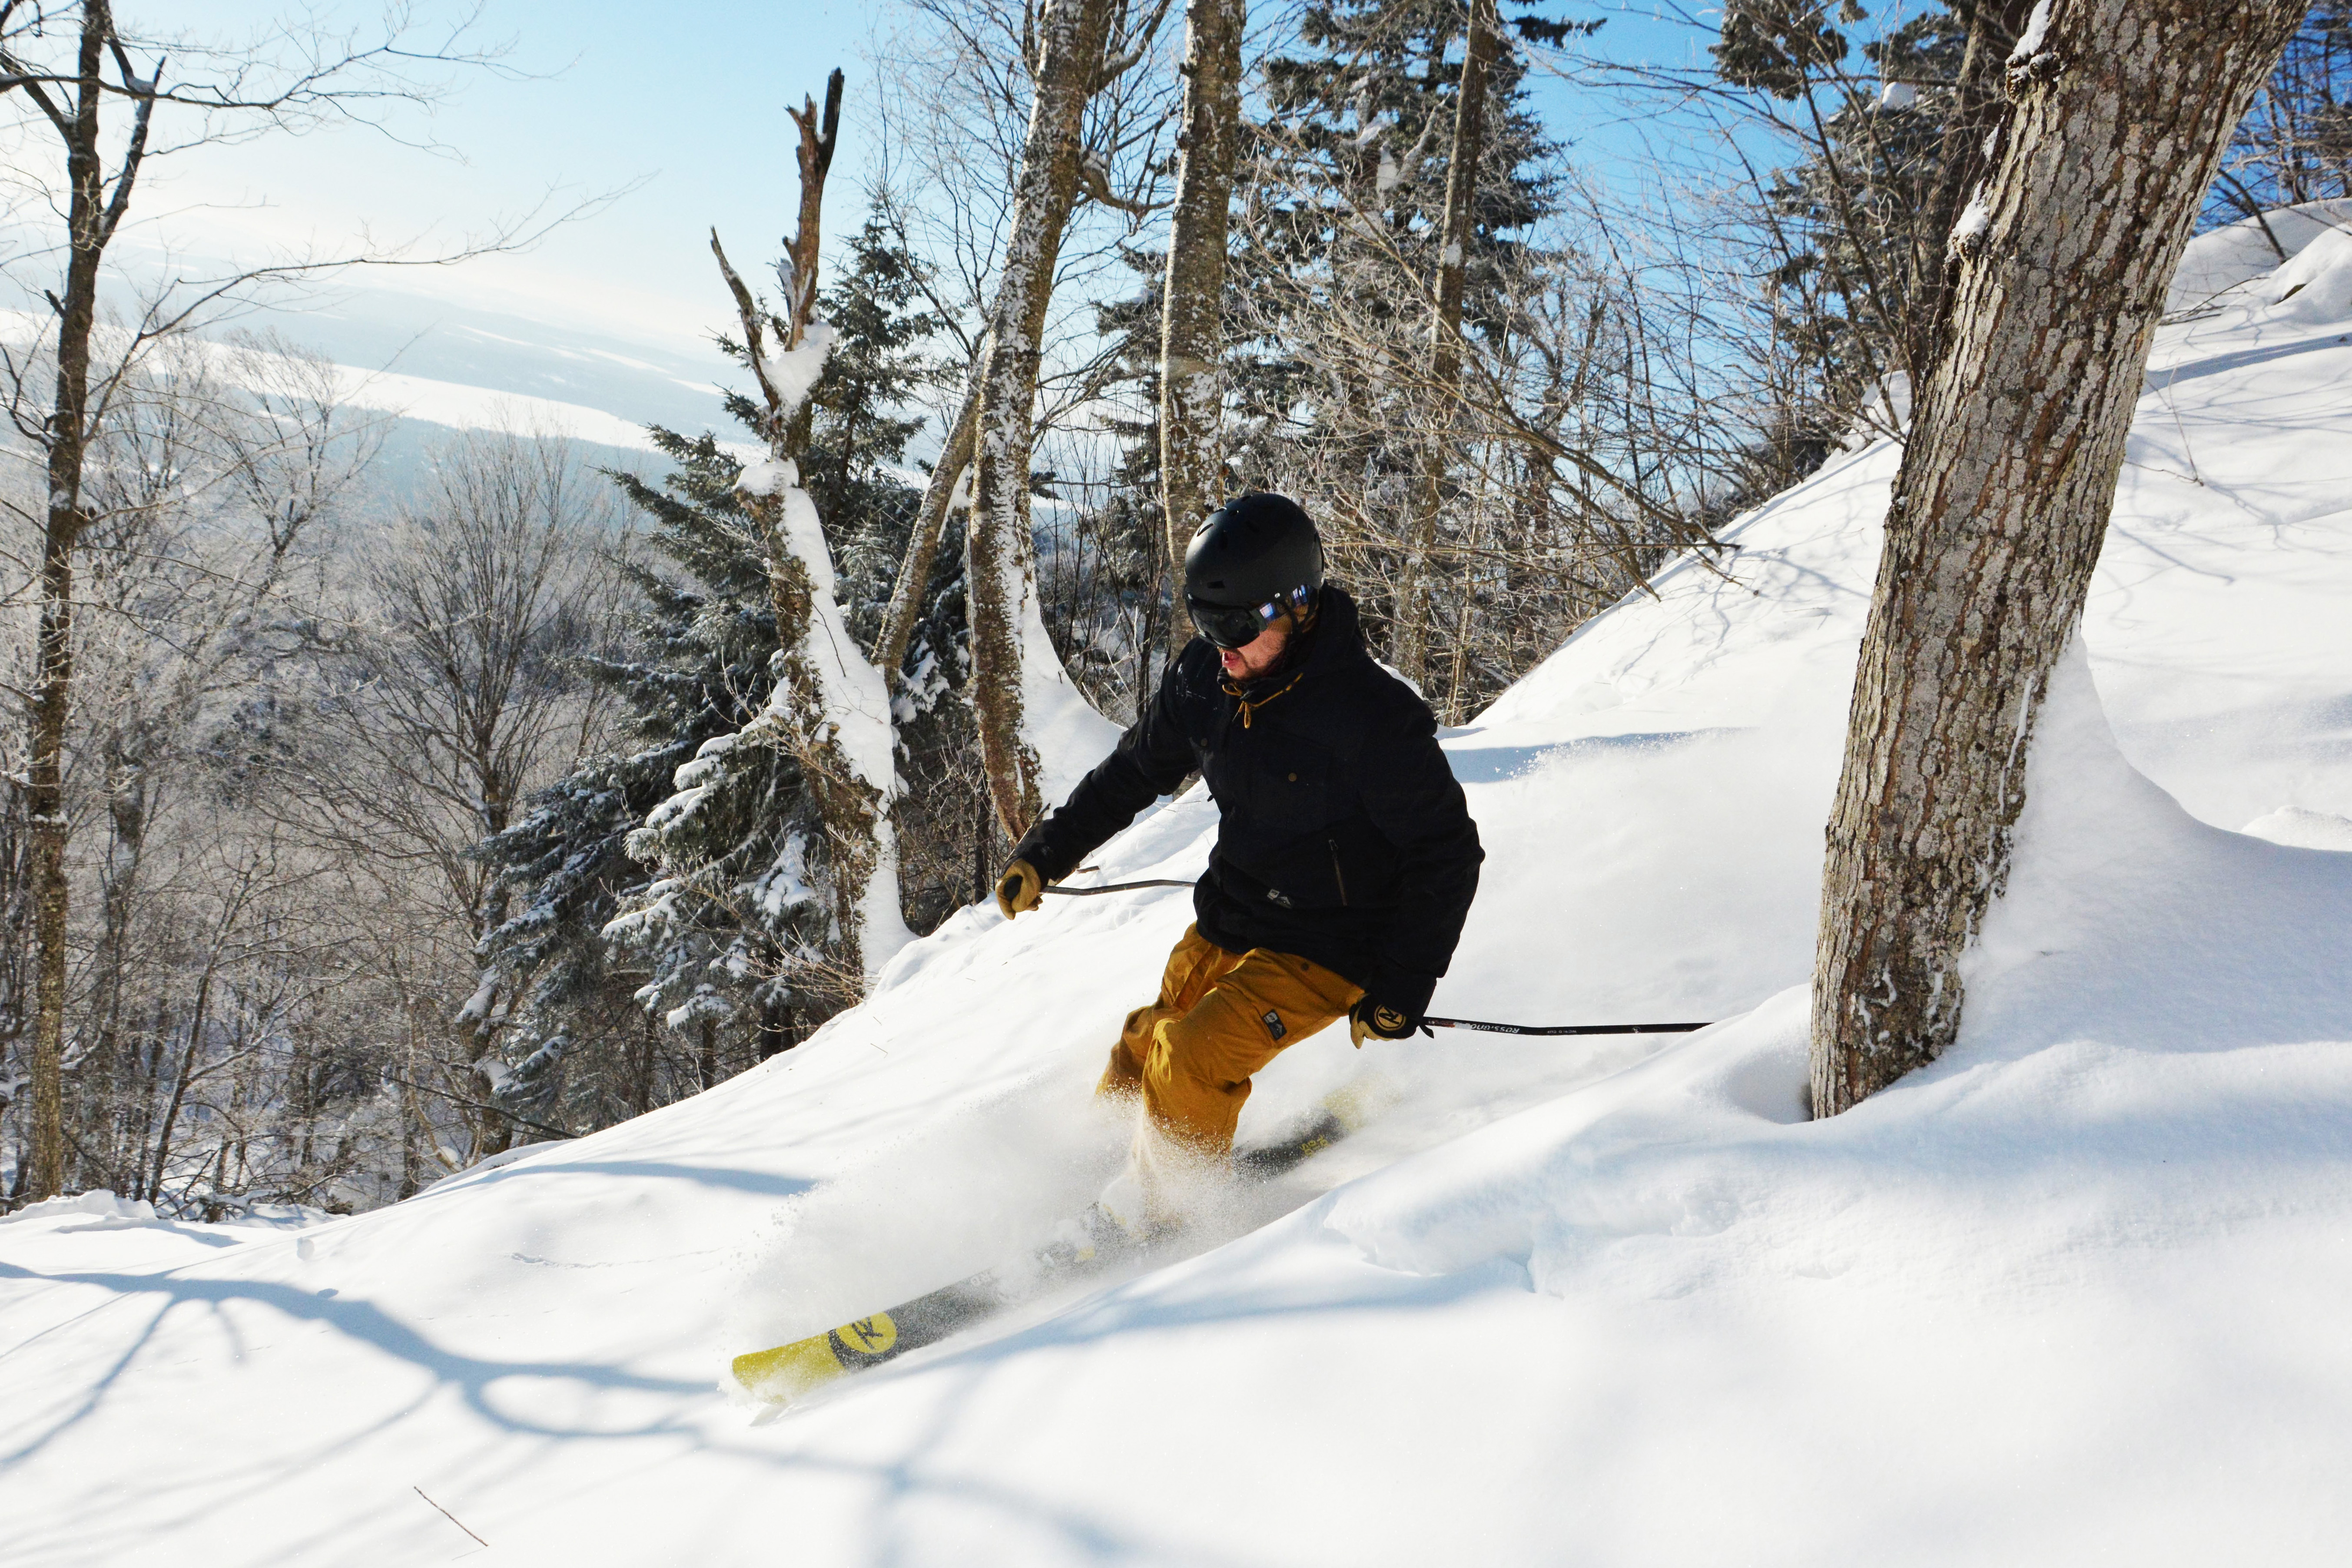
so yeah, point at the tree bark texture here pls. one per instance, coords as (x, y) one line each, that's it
(2118, 113)
(1191, 458)
(1413, 608)
(923, 544)
(1002, 575)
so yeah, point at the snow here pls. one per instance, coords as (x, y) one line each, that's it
(2242, 252)
(102, 1210)
(501, 1161)
(1068, 732)
(2074, 1293)
(2029, 42)
(2307, 829)
(458, 404)
(855, 697)
(99, 1202)
(769, 477)
(794, 371)
(1975, 221)
(464, 408)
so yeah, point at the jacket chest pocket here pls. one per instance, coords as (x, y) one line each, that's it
(1292, 788)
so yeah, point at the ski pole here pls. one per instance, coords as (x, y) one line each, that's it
(1481, 1024)
(1117, 887)
(1484, 1026)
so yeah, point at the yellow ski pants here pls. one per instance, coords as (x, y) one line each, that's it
(1219, 1018)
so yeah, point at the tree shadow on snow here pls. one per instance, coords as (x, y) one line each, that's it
(472, 1377)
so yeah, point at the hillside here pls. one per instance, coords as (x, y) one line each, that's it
(2076, 1292)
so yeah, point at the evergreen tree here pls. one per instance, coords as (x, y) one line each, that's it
(724, 950)
(697, 674)
(1328, 302)
(855, 469)
(1854, 229)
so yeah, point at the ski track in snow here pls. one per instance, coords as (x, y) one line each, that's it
(2073, 1292)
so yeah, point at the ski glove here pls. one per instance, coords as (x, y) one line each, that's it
(1370, 1020)
(1018, 891)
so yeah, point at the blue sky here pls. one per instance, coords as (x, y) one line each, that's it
(680, 107)
(685, 102)
(687, 97)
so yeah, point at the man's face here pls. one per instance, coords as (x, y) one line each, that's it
(1255, 657)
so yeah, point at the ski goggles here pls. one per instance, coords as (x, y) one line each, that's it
(1235, 625)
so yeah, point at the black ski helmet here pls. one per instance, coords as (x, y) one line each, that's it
(1256, 558)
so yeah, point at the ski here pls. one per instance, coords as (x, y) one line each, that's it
(787, 1371)
(1092, 1242)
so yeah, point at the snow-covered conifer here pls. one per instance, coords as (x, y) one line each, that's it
(722, 933)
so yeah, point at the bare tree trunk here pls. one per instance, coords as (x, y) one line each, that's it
(128, 790)
(411, 1112)
(706, 1056)
(1003, 574)
(246, 92)
(779, 1030)
(923, 544)
(196, 1021)
(68, 437)
(1413, 608)
(2119, 112)
(640, 1092)
(1192, 466)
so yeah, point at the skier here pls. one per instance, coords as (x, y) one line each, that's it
(1346, 859)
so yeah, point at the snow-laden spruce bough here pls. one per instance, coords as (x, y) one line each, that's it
(2073, 1294)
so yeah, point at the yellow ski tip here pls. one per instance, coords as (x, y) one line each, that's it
(777, 1375)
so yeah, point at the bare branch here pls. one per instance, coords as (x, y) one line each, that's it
(747, 309)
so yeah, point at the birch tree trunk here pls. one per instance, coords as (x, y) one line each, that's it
(923, 544)
(1192, 466)
(1413, 608)
(1015, 667)
(2118, 113)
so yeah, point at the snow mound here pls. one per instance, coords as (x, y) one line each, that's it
(2306, 829)
(102, 1210)
(2240, 252)
(99, 1204)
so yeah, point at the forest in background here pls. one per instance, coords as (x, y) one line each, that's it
(399, 830)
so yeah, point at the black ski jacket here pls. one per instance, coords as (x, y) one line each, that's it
(1343, 835)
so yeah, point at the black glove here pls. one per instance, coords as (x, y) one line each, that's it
(1371, 1019)
(1018, 891)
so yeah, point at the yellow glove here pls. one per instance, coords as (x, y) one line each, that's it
(1019, 888)
(1368, 1020)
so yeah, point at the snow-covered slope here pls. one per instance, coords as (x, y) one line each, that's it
(2076, 1292)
